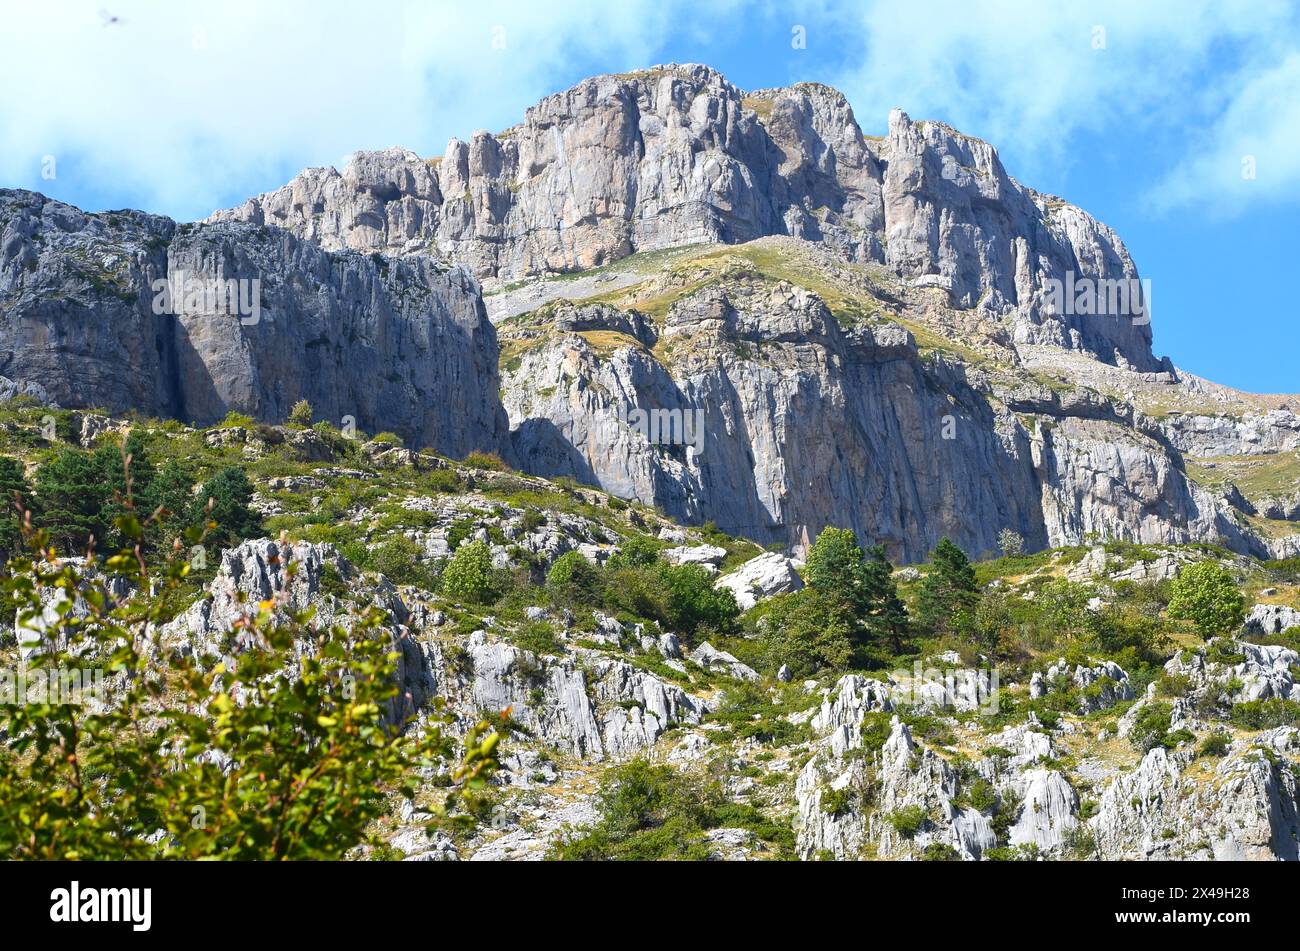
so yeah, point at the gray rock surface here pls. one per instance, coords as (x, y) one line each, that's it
(401, 345)
(677, 155)
(760, 578)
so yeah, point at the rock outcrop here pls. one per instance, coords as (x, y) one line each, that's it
(131, 312)
(677, 155)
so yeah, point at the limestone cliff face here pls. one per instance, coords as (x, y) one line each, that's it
(401, 345)
(789, 423)
(677, 155)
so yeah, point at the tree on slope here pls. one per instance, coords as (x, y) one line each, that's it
(949, 595)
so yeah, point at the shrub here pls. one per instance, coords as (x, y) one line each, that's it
(538, 637)
(1151, 729)
(400, 560)
(940, 852)
(574, 580)
(1216, 744)
(469, 575)
(635, 551)
(1266, 714)
(907, 821)
(477, 459)
(1011, 543)
(647, 812)
(636, 592)
(1206, 595)
(301, 414)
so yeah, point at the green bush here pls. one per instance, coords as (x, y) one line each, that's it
(1206, 595)
(647, 812)
(401, 561)
(574, 580)
(940, 852)
(301, 414)
(1216, 744)
(1266, 714)
(1151, 729)
(469, 575)
(634, 551)
(908, 821)
(477, 459)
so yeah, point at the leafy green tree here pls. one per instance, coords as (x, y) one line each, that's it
(693, 605)
(227, 758)
(14, 491)
(574, 580)
(948, 596)
(1206, 595)
(231, 518)
(469, 575)
(634, 552)
(806, 631)
(1011, 542)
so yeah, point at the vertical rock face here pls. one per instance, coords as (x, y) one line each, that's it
(677, 155)
(794, 423)
(401, 345)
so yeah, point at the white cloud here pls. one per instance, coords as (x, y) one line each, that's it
(1030, 77)
(1252, 153)
(181, 105)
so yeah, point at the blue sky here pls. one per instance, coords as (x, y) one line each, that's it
(1177, 124)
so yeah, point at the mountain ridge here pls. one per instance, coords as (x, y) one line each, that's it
(871, 328)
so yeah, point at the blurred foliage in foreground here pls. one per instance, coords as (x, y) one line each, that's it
(281, 751)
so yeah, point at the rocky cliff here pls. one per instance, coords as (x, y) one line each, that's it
(888, 333)
(127, 311)
(677, 155)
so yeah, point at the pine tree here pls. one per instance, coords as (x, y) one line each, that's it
(836, 569)
(886, 613)
(13, 486)
(71, 491)
(858, 587)
(230, 493)
(949, 595)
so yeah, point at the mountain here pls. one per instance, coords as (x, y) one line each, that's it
(886, 348)
(889, 334)
(694, 324)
